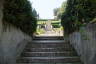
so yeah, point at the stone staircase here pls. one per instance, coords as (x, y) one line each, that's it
(49, 50)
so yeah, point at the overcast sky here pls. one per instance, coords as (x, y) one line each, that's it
(45, 7)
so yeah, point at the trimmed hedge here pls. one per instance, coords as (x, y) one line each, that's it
(20, 14)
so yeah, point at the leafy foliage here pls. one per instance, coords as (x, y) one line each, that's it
(56, 25)
(78, 13)
(20, 14)
(59, 11)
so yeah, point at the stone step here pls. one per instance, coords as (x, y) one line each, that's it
(48, 49)
(46, 45)
(48, 54)
(62, 49)
(48, 38)
(67, 48)
(48, 41)
(48, 59)
(51, 63)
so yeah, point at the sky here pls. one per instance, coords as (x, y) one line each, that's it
(45, 7)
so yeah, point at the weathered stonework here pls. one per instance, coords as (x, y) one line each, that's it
(12, 41)
(1, 15)
(85, 43)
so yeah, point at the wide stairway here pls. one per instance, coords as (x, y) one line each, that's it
(49, 50)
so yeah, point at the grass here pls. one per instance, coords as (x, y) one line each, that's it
(40, 31)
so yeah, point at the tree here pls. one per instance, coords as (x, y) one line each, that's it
(19, 13)
(34, 13)
(56, 10)
(78, 13)
(59, 11)
(63, 7)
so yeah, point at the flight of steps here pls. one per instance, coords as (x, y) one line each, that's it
(48, 50)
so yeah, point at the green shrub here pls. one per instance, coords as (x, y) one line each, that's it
(20, 14)
(40, 31)
(77, 14)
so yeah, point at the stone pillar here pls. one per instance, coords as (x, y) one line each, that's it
(1, 27)
(1, 15)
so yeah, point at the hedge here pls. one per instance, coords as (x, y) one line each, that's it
(77, 14)
(20, 14)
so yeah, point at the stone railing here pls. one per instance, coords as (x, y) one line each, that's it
(12, 41)
(84, 42)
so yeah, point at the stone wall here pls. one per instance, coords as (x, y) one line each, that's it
(84, 42)
(12, 41)
(1, 15)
